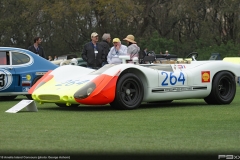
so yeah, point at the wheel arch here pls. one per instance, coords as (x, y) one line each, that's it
(215, 97)
(223, 71)
(141, 76)
(215, 76)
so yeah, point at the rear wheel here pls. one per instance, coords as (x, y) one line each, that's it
(64, 105)
(129, 92)
(223, 89)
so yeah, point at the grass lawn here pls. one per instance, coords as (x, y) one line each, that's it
(184, 127)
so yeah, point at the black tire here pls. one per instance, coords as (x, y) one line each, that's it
(29, 96)
(129, 92)
(64, 105)
(7, 98)
(223, 89)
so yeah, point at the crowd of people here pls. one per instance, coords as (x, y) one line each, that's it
(96, 53)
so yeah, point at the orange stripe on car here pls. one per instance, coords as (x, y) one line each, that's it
(44, 79)
(104, 92)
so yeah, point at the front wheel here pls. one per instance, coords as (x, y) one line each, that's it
(223, 89)
(129, 92)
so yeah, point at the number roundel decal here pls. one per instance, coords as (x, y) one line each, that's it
(5, 79)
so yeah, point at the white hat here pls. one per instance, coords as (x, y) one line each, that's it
(94, 34)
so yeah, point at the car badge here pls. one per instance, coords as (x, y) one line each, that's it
(28, 76)
(205, 76)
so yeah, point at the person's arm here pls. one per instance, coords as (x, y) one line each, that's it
(109, 56)
(106, 50)
(84, 53)
(130, 52)
(103, 56)
(30, 48)
(43, 54)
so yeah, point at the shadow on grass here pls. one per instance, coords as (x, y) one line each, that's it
(19, 98)
(173, 104)
(109, 108)
(12, 100)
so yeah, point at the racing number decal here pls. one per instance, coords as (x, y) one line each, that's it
(173, 79)
(2, 82)
(72, 82)
(6, 79)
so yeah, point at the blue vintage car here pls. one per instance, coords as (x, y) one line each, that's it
(19, 70)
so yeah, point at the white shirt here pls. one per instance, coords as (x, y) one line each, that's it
(113, 55)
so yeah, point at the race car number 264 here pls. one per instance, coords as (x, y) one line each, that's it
(172, 78)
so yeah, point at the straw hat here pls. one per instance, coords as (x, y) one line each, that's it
(130, 38)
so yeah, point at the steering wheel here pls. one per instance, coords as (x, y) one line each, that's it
(193, 55)
(151, 53)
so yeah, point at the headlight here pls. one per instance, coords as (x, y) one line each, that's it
(85, 91)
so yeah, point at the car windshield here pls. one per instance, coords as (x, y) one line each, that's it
(62, 57)
(101, 70)
(71, 56)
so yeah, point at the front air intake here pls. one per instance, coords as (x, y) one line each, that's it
(49, 97)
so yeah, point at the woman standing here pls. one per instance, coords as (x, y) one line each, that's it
(133, 49)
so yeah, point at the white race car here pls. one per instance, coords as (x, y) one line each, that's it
(126, 86)
(70, 59)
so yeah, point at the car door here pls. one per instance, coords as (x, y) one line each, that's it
(22, 63)
(173, 80)
(7, 73)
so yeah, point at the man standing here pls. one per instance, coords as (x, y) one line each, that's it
(106, 40)
(166, 53)
(117, 50)
(93, 53)
(36, 48)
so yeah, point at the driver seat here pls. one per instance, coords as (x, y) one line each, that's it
(141, 56)
(149, 59)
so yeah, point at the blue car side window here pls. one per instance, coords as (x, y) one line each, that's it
(19, 58)
(3, 58)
